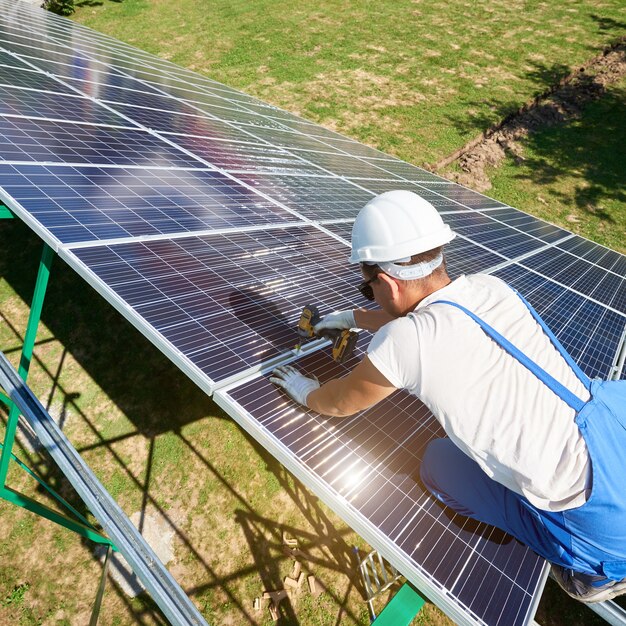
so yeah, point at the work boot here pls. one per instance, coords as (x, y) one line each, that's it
(587, 587)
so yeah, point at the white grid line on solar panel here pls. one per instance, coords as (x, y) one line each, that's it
(124, 94)
(596, 282)
(231, 156)
(54, 106)
(161, 119)
(182, 235)
(27, 38)
(314, 197)
(198, 158)
(27, 77)
(589, 331)
(363, 164)
(33, 139)
(311, 425)
(10, 60)
(530, 224)
(595, 253)
(502, 238)
(440, 196)
(216, 275)
(75, 203)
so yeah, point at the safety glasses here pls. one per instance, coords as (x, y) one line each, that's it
(366, 289)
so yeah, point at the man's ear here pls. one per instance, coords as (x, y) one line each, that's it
(391, 284)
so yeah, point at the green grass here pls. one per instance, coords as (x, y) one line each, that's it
(417, 79)
(575, 175)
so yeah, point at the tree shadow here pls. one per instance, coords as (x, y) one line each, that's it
(593, 149)
(579, 131)
(608, 24)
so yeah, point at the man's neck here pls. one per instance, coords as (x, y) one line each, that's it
(428, 289)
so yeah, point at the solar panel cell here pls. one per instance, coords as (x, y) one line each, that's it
(23, 139)
(121, 202)
(589, 331)
(591, 280)
(241, 293)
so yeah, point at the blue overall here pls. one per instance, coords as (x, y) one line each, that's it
(590, 538)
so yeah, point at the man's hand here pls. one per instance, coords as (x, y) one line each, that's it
(341, 320)
(294, 383)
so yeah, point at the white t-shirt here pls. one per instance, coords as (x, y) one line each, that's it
(493, 408)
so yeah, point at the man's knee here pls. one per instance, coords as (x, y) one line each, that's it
(435, 463)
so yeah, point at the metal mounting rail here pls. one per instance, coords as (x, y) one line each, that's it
(165, 591)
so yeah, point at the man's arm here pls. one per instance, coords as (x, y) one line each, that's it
(371, 320)
(363, 387)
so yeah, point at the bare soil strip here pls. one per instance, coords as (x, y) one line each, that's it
(559, 104)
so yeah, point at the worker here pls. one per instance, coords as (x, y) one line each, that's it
(534, 457)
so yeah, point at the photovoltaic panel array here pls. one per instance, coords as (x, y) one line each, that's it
(369, 466)
(209, 219)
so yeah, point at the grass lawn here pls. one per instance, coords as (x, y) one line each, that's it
(414, 78)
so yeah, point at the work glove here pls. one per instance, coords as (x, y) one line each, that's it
(339, 319)
(295, 384)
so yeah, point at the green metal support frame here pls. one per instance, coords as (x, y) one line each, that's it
(80, 526)
(5, 214)
(401, 609)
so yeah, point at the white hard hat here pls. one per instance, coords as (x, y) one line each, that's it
(396, 225)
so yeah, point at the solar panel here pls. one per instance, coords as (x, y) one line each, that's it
(225, 303)
(209, 219)
(79, 204)
(366, 468)
(600, 284)
(27, 139)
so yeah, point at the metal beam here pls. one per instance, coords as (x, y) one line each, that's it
(165, 591)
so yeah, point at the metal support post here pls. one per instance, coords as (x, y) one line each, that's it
(43, 275)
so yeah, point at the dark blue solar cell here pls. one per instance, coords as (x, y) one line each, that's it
(24, 139)
(498, 237)
(29, 78)
(591, 280)
(529, 224)
(237, 156)
(252, 287)
(138, 201)
(55, 105)
(343, 164)
(315, 197)
(11, 60)
(590, 332)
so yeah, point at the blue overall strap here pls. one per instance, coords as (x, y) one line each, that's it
(554, 385)
(584, 379)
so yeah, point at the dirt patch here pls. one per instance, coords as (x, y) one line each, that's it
(559, 104)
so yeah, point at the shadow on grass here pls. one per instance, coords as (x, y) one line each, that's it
(592, 149)
(583, 137)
